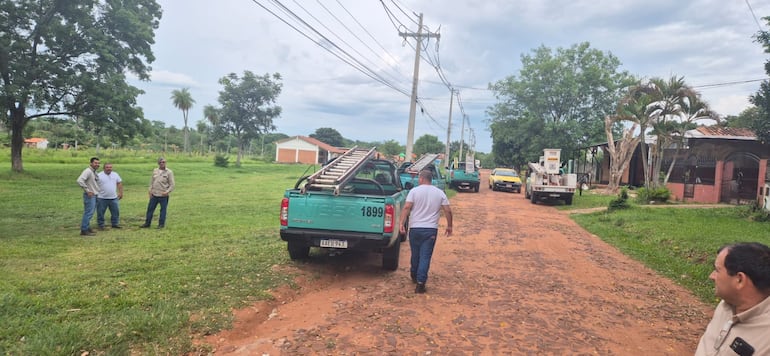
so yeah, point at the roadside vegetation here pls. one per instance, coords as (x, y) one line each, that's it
(149, 291)
(679, 243)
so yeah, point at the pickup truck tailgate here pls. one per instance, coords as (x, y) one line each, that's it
(321, 211)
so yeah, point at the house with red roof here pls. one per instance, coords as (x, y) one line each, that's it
(716, 165)
(36, 142)
(303, 149)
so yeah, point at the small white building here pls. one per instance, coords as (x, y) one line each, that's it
(303, 149)
(36, 142)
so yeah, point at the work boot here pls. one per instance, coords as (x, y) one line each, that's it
(420, 289)
(145, 226)
(87, 233)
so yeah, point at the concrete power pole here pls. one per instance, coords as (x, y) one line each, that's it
(413, 105)
(462, 139)
(449, 128)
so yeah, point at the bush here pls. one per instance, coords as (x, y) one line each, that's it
(221, 161)
(659, 195)
(755, 212)
(621, 202)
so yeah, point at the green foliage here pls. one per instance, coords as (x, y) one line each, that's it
(75, 63)
(559, 99)
(221, 161)
(621, 202)
(656, 195)
(428, 144)
(673, 242)
(328, 136)
(135, 291)
(183, 101)
(755, 212)
(248, 106)
(390, 147)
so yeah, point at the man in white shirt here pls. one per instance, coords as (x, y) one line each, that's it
(110, 193)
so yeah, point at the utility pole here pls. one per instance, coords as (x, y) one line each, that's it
(449, 128)
(462, 138)
(413, 105)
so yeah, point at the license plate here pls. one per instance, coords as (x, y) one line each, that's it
(334, 243)
(554, 195)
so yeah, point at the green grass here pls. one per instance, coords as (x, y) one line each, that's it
(679, 243)
(149, 291)
(135, 290)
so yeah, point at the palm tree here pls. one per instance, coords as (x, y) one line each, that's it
(212, 114)
(669, 116)
(183, 101)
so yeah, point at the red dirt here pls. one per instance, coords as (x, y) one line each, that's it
(515, 278)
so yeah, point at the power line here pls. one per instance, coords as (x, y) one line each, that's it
(327, 44)
(754, 15)
(724, 84)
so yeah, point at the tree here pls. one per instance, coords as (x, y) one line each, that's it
(328, 136)
(761, 123)
(68, 58)
(632, 117)
(745, 119)
(183, 101)
(675, 108)
(248, 106)
(390, 147)
(569, 92)
(428, 144)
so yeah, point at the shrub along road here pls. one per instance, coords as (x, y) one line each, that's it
(516, 278)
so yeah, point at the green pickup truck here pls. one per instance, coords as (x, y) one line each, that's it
(354, 210)
(461, 178)
(408, 172)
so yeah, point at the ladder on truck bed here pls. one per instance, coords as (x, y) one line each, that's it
(421, 163)
(337, 173)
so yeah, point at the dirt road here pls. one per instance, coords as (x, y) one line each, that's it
(514, 279)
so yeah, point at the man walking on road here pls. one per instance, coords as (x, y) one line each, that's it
(88, 181)
(742, 319)
(423, 207)
(110, 193)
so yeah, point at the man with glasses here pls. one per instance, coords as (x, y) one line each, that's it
(741, 321)
(161, 185)
(89, 181)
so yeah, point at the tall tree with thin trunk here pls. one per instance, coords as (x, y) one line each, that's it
(183, 101)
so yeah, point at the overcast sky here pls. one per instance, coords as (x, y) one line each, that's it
(708, 42)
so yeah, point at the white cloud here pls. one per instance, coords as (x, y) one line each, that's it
(198, 42)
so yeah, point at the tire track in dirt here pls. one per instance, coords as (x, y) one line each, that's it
(514, 279)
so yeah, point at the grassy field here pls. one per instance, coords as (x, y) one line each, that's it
(678, 242)
(147, 291)
(134, 290)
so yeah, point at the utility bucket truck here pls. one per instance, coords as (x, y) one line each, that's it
(545, 180)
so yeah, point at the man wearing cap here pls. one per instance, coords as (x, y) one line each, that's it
(161, 185)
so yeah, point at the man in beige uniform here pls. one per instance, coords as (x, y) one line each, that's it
(161, 185)
(741, 322)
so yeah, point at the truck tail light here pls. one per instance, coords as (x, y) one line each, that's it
(389, 216)
(285, 212)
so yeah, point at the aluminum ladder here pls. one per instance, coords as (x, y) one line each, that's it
(337, 173)
(421, 163)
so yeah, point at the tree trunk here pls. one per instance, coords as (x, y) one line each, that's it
(18, 121)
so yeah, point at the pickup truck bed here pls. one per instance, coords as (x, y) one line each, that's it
(361, 216)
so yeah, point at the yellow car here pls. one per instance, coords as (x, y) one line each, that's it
(505, 179)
